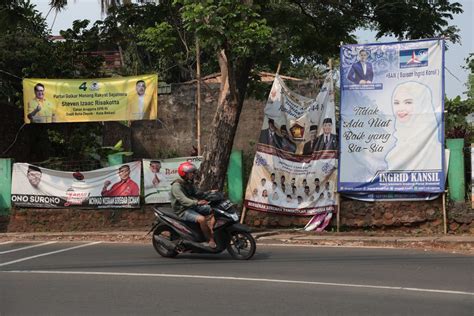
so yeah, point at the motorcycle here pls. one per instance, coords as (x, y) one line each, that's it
(172, 235)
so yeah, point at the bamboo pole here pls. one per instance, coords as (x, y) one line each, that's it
(338, 197)
(445, 223)
(198, 108)
(244, 212)
(338, 210)
(278, 68)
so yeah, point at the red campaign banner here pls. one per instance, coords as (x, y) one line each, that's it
(112, 187)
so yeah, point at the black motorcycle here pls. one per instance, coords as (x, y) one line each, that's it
(172, 235)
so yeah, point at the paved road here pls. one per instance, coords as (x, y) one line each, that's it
(87, 278)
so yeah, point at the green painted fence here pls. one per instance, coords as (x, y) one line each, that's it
(456, 179)
(235, 177)
(5, 185)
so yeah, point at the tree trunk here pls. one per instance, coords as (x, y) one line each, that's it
(234, 79)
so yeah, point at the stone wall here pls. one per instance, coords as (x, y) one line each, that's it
(402, 217)
(65, 220)
(379, 217)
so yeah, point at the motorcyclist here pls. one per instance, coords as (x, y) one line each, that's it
(187, 201)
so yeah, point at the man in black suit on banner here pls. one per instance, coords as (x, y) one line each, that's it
(269, 136)
(309, 146)
(327, 140)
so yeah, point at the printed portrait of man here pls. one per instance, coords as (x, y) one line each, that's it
(39, 109)
(155, 177)
(34, 175)
(141, 102)
(269, 136)
(29, 183)
(327, 140)
(124, 187)
(362, 71)
(310, 146)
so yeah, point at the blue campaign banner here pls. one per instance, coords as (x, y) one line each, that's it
(391, 134)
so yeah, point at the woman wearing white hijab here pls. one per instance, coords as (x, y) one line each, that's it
(416, 129)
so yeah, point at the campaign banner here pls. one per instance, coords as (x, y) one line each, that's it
(112, 187)
(158, 174)
(88, 100)
(294, 170)
(392, 105)
(399, 196)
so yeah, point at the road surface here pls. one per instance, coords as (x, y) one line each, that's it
(93, 278)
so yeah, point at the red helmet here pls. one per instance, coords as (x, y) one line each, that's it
(185, 168)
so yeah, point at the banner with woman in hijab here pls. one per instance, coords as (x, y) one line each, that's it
(392, 118)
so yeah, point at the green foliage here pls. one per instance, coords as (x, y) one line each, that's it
(470, 80)
(76, 56)
(159, 39)
(233, 25)
(21, 15)
(456, 124)
(76, 141)
(458, 110)
(117, 149)
(415, 18)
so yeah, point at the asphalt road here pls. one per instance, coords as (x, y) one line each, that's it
(131, 279)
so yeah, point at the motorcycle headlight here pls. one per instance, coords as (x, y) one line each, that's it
(234, 216)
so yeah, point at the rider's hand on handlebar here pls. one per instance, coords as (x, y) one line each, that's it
(203, 202)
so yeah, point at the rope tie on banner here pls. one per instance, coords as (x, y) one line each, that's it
(452, 74)
(14, 141)
(10, 74)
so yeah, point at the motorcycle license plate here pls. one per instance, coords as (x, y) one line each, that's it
(226, 205)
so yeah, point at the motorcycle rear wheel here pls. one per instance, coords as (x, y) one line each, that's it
(242, 245)
(164, 232)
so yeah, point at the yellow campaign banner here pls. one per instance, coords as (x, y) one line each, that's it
(89, 100)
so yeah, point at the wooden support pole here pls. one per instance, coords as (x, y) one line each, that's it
(278, 68)
(338, 196)
(198, 107)
(338, 211)
(244, 212)
(445, 222)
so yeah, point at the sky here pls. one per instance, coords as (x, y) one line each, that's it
(455, 55)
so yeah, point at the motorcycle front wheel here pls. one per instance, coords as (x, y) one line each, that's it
(167, 233)
(242, 246)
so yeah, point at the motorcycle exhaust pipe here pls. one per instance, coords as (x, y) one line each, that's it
(164, 242)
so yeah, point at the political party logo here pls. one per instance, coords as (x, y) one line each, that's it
(297, 131)
(414, 58)
(260, 161)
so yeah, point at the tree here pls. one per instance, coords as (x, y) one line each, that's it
(243, 35)
(247, 33)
